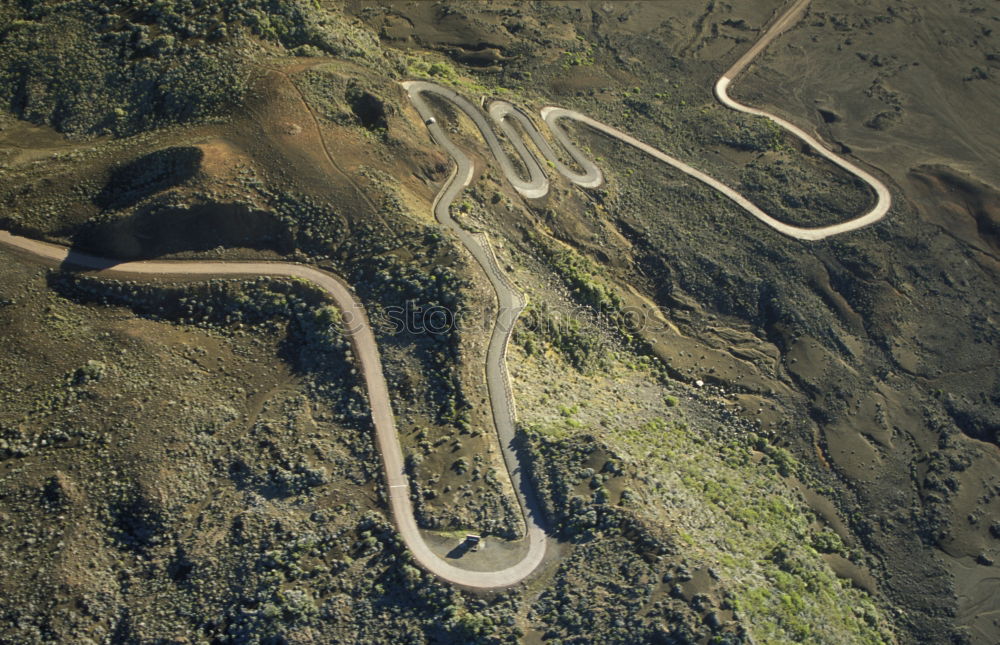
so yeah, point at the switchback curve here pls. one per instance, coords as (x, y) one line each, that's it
(537, 185)
(358, 331)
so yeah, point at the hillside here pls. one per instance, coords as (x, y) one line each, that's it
(731, 435)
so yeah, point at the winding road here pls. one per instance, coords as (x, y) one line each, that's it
(359, 332)
(883, 199)
(513, 123)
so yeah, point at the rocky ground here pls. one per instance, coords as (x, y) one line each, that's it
(177, 465)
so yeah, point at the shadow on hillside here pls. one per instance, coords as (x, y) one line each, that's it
(156, 232)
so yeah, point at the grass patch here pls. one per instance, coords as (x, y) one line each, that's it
(419, 65)
(720, 491)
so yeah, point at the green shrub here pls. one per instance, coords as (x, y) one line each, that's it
(124, 66)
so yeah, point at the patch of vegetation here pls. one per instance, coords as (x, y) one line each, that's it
(746, 524)
(539, 329)
(314, 342)
(743, 132)
(708, 484)
(419, 65)
(131, 182)
(418, 304)
(580, 56)
(581, 276)
(125, 66)
(605, 592)
(797, 596)
(617, 555)
(792, 194)
(589, 286)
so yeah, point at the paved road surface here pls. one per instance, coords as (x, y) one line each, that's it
(883, 197)
(537, 185)
(365, 350)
